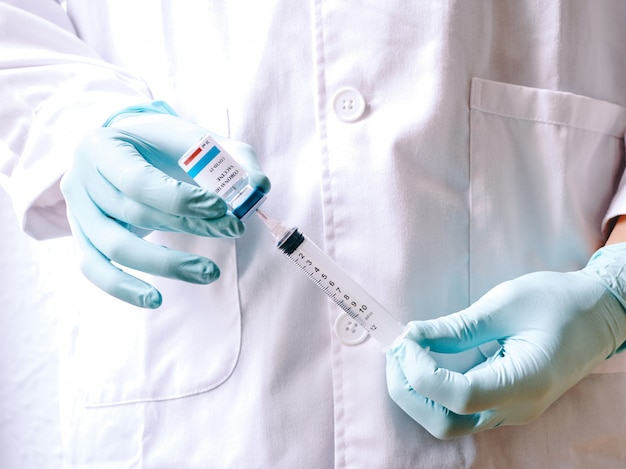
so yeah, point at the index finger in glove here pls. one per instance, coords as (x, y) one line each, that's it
(463, 330)
(501, 381)
(118, 161)
(130, 212)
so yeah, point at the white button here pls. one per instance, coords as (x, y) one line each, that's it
(348, 104)
(348, 330)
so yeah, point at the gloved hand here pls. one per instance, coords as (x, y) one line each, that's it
(553, 328)
(125, 182)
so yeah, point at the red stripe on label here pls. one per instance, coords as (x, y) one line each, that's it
(192, 156)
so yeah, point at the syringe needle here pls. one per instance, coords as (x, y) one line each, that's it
(277, 229)
(265, 217)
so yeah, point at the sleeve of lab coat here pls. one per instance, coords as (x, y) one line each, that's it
(53, 88)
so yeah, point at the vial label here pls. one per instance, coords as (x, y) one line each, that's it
(212, 167)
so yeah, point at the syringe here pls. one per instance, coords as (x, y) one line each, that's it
(336, 283)
(211, 166)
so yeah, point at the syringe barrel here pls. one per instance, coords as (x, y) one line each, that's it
(340, 287)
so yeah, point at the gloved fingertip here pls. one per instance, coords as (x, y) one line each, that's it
(235, 228)
(196, 269)
(396, 348)
(210, 273)
(411, 331)
(241, 229)
(151, 299)
(263, 183)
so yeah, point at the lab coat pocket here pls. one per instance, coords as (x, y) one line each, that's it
(190, 345)
(545, 166)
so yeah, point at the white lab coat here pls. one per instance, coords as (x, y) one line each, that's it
(491, 145)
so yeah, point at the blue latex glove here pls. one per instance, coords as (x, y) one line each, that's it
(125, 182)
(553, 328)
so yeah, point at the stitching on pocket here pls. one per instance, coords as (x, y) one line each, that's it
(548, 107)
(206, 364)
(543, 121)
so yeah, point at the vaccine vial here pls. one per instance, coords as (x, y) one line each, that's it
(212, 167)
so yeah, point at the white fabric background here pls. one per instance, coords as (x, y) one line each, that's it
(29, 422)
